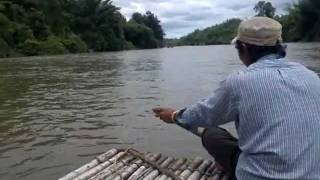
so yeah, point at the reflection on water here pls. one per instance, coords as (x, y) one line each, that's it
(56, 113)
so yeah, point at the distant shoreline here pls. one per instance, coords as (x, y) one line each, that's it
(88, 53)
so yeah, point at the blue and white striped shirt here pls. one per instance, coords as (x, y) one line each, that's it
(275, 105)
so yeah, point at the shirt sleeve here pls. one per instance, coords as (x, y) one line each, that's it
(219, 108)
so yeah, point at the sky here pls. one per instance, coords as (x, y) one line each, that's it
(180, 17)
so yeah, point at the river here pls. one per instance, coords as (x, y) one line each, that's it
(58, 112)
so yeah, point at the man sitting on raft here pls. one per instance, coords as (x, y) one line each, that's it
(275, 105)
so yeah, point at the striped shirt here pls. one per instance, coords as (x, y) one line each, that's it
(275, 105)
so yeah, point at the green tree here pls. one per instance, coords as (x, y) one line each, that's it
(57, 16)
(309, 23)
(4, 49)
(154, 23)
(138, 18)
(218, 34)
(13, 11)
(21, 33)
(302, 22)
(289, 24)
(74, 44)
(30, 47)
(151, 21)
(52, 45)
(37, 27)
(140, 35)
(36, 21)
(264, 8)
(99, 23)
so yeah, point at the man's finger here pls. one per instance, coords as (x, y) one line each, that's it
(157, 110)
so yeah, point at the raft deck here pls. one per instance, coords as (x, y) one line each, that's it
(130, 164)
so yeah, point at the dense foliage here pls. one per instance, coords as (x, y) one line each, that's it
(264, 8)
(38, 27)
(301, 23)
(144, 31)
(218, 34)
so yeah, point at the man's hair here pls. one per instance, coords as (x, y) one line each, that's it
(257, 52)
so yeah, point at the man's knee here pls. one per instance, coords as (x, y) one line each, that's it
(218, 137)
(221, 145)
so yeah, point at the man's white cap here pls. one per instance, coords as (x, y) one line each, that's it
(260, 31)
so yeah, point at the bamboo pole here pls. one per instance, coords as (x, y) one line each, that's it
(217, 170)
(159, 161)
(155, 165)
(156, 172)
(163, 165)
(183, 166)
(146, 166)
(204, 177)
(136, 174)
(127, 171)
(195, 163)
(162, 177)
(139, 172)
(151, 168)
(208, 171)
(155, 157)
(167, 162)
(212, 173)
(174, 166)
(146, 172)
(152, 175)
(215, 177)
(211, 168)
(90, 165)
(111, 169)
(98, 168)
(200, 170)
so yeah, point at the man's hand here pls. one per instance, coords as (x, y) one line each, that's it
(164, 114)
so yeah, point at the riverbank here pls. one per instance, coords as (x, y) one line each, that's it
(30, 28)
(300, 22)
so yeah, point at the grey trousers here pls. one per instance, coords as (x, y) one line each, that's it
(223, 147)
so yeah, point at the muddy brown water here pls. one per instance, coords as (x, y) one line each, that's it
(58, 112)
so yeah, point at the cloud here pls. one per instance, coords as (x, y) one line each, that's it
(180, 17)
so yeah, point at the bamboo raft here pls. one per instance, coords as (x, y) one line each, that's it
(130, 164)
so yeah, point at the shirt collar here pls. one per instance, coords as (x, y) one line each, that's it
(269, 57)
(268, 60)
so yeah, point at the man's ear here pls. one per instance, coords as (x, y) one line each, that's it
(244, 47)
(246, 55)
(245, 50)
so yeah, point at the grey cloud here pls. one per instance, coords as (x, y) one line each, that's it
(179, 17)
(197, 17)
(236, 7)
(173, 14)
(177, 24)
(201, 16)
